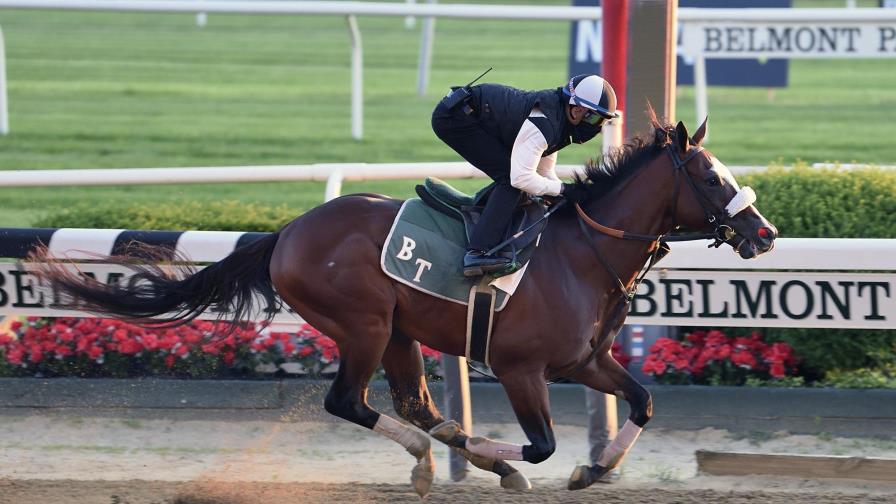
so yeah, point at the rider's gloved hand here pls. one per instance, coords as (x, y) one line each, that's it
(574, 192)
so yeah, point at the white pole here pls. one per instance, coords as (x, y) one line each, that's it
(357, 79)
(702, 102)
(612, 133)
(425, 62)
(409, 21)
(334, 185)
(4, 99)
(201, 19)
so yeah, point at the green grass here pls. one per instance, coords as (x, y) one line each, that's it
(110, 90)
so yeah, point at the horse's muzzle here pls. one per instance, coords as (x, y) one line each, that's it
(748, 248)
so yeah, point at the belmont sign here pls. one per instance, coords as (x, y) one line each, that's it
(766, 299)
(21, 293)
(755, 39)
(667, 297)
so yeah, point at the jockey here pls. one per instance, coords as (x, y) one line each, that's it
(513, 136)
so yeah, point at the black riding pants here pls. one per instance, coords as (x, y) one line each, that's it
(465, 135)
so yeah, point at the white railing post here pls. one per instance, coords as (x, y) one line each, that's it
(612, 133)
(201, 19)
(357, 79)
(427, 34)
(700, 92)
(4, 99)
(409, 21)
(334, 185)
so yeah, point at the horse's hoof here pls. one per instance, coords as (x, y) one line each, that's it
(584, 476)
(516, 481)
(422, 475)
(580, 478)
(445, 431)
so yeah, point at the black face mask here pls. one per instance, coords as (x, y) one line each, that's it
(582, 132)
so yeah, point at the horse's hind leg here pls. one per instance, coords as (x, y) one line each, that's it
(608, 376)
(347, 399)
(403, 364)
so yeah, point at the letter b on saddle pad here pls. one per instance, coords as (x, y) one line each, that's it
(424, 250)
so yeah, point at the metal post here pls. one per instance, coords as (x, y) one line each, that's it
(427, 34)
(357, 79)
(700, 93)
(201, 19)
(457, 407)
(4, 99)
(334, 185)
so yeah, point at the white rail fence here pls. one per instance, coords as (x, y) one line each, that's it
(333, 173)
(695, 22)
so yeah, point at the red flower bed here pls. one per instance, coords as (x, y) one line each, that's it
(105, 347)
(712, 357)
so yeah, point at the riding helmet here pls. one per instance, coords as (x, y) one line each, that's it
(592, 92)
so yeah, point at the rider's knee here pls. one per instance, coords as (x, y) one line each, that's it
(539, 451)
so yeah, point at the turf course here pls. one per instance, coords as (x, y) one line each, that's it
(95, 90)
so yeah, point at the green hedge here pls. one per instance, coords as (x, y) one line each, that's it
(218, 216)
(808, 203)
(801, 202)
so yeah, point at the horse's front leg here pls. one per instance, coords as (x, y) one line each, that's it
(403, 363)
(528, 395)
(606, 375)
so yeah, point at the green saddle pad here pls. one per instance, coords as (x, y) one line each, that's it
(425, 250)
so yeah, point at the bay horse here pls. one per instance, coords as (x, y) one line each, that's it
(560, 323)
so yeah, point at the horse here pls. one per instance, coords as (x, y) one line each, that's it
(560, 323)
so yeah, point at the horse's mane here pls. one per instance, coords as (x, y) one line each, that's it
(605, 173)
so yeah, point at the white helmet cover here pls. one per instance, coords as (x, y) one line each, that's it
(592, 92)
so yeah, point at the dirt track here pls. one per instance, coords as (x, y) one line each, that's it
(60, 457)
(159, 492)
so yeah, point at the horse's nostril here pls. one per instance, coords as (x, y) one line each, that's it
(766, 233)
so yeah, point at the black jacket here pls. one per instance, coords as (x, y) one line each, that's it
(503, 109)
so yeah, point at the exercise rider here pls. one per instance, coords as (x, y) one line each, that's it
(513, 136)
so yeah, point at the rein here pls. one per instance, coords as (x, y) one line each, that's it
(658, 244)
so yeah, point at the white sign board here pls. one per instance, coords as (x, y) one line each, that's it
(762, 39)
(667, 297)
(21, 293)
(766, 299)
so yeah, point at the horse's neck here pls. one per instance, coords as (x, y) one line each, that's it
(631, 207)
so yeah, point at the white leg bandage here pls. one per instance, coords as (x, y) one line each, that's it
(494, 449)
(615, 452)
(414, 442)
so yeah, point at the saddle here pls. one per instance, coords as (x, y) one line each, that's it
(518, 242)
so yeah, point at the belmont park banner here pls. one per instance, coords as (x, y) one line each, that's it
(756, 39)
(667, 297)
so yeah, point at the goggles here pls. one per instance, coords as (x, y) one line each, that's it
(593, 118)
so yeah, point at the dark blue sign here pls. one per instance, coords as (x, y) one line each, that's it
(586, 52)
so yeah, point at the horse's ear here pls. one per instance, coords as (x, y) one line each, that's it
(701, 132)
(681, 137)
(651, 114)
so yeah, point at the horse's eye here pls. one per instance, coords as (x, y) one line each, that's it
(713, 181)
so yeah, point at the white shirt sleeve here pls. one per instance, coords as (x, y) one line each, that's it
(525, 161)
(546, 166)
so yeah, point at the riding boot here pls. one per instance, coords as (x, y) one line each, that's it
(490, 230)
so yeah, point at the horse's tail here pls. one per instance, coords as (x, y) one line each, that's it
(153, 295)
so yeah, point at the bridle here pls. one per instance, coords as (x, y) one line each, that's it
(722, 232)
(659, 248)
